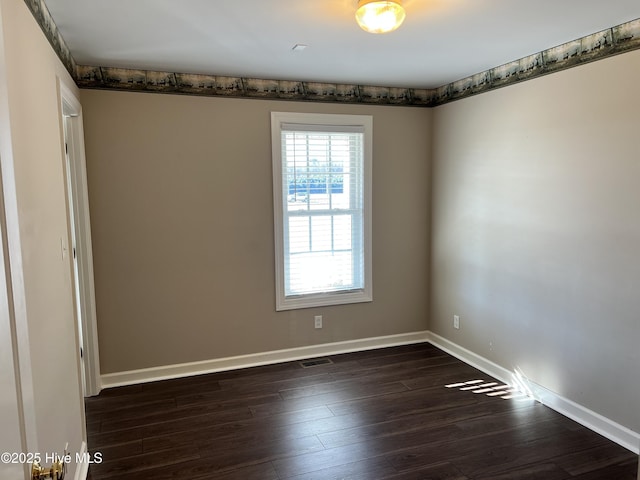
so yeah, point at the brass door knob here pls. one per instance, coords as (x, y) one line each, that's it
(57, 471)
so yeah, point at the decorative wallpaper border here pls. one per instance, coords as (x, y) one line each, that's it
(213, 85)
(597, 46)
(41, 13)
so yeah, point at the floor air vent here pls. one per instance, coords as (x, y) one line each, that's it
(315, 362)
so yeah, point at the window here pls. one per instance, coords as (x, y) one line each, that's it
(322, 208)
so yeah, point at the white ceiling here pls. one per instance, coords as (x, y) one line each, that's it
(441, 40)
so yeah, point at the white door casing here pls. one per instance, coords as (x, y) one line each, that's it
(12, 412)
(80, 224)
(17, 410)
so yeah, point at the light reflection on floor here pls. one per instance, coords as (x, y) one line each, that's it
(491, 389)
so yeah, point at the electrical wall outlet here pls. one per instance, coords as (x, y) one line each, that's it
(456, 322)
(318, 321)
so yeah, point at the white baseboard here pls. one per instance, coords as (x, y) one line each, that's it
(256, 359)
(588, 418)
(82, 468)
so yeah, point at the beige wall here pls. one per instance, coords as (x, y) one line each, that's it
(182, 225)
(36, 213)
(536, 231)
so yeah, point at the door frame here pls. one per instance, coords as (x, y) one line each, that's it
(78, 201)
(17, 412)
(15, 365)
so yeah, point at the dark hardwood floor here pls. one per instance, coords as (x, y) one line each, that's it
(389, 414)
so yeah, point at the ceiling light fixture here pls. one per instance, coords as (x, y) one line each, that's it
(380, 16)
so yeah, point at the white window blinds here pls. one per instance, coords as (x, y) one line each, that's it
(322, 218)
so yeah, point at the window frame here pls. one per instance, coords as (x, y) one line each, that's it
(278, 119)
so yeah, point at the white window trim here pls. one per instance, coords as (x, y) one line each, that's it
(279, 201)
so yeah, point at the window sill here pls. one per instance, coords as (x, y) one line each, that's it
(322, 300)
